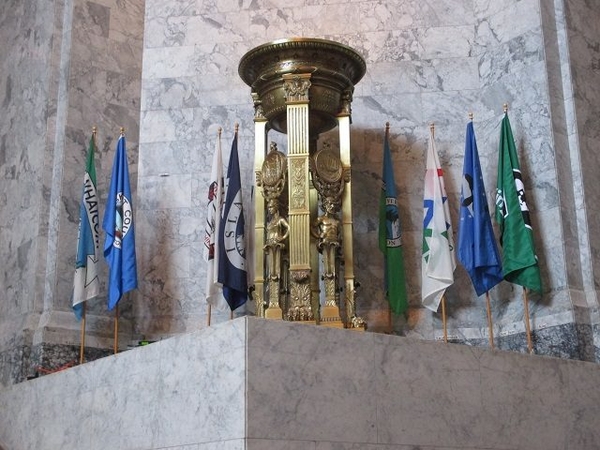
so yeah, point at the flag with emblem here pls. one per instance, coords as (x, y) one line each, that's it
(86, 283)
(119, 243)
(519, 261)
(477, 249)
(438, 260)
(232, 248)
(214, 291)
(390, 237)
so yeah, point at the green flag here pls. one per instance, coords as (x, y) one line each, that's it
(519, 262)
(390, 239)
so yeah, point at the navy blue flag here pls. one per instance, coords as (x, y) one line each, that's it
(477, 248)
(119, 244)
(232, 246)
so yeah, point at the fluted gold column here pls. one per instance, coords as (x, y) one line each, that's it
(352, 319)
(314, 258)
(296, 87)
(260, 147)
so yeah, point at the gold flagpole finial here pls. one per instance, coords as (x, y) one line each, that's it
(219, 131)
(236, 127)
(387, 128)
(94, 130)
(122, 131)
(505, 108)
(471, 116)
(432, 128)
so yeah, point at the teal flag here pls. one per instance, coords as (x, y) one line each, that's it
(390, 236)
(519, 261)
(86, 284)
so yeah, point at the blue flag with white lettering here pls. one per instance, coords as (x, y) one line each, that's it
(232, 246)
(119, 244)
(477, 249)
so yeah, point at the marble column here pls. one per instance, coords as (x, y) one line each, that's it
(69, 65)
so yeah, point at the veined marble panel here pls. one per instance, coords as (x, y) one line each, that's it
(163, 396)
(426, 63)
(253, 383)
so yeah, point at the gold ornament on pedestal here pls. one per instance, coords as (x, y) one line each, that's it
(303, 87)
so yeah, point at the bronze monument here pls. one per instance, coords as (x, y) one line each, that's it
(303, 87)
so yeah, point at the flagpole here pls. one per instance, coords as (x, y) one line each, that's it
(82, 338)
(487, 295)
(116, 337)
(209, 312)
(390, 323)
(445, 325)
(83, 311)
(116, 328)
(489, 315)
(525, 302)
(236, 128)
(444, 318)
(526, 318)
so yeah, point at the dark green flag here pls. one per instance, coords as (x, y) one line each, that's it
(519, 261)
(390, 239)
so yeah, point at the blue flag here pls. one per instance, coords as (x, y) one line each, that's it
(232, 248)
(119, 244)
(477, 249)
(85, 283)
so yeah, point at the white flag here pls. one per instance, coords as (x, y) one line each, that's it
(438, 262)
(214, 290)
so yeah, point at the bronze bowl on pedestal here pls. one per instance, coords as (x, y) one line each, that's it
(335, 69)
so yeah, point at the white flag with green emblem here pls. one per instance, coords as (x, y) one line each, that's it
(438, 262)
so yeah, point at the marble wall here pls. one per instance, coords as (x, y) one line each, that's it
(69, 65)
(425, 63)
(584, 131)
(27, 28)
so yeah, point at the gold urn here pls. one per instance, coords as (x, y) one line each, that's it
(303, 87)
(334, 68)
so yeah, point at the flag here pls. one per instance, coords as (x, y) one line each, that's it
(477, 249)
(438, 261)
(512, 214)
(214, 291)
(390, 236)
(119, 243)
(86, 284)
(231, 245)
